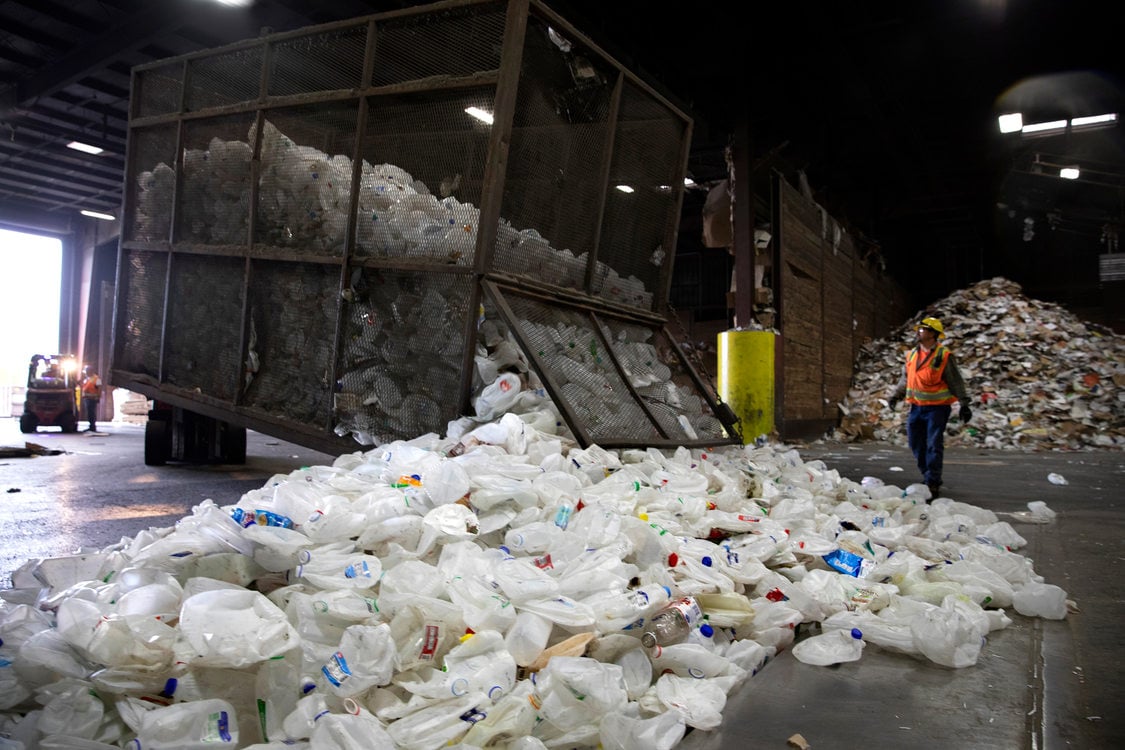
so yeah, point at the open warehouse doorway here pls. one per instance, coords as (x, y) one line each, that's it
(31, 277)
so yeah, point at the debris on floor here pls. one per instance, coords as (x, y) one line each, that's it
(498, 582)
(28, 450)
(1040, 377)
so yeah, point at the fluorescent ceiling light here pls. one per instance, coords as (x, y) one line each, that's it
(1069, 173)
(1078, 122)
(98, 215)
(688, 182)
(84, 147)
(1041, 127)
(480, 114)
(235, 3)
(1011, 123)
(625, 189)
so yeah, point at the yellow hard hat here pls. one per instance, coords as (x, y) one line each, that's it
(935, 324)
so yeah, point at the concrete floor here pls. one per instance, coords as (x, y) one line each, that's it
(1038, 685)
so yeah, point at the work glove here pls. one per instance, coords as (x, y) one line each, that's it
(966, 413)
(892, 402)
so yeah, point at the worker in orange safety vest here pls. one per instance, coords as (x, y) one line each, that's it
(91, 387)
(930, 383)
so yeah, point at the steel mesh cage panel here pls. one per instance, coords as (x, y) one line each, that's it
(423, 171)
(223, 78)
(202, 350)
(140, 312)
(663, 382)
(157, 91)
(554, 181)
(647, 151)
(152, 154)
(293, 308)
(449, 42)
(321, 61)
(214, 196)
(403, 339)
(575, 358)
(304, 189)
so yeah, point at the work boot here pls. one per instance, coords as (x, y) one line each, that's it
(935, 490)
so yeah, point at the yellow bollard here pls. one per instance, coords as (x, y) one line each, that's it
(746, 379)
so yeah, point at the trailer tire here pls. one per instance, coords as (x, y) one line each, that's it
(28, 423)
(158, 442)
(233, 444)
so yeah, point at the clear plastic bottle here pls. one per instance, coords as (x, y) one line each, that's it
(673, 623)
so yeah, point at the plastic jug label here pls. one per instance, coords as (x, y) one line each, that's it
(544, 562)
(218, 728)
(848, 563)
(430, 642)
(357, 571)
(336, 670)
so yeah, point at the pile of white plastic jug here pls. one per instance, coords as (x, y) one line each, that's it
(498, 588)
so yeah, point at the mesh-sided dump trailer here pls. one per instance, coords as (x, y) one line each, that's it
(320, 224)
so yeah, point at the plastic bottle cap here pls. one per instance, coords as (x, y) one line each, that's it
(706, 630)
(857, 633)
(706, 562)
(667, 591)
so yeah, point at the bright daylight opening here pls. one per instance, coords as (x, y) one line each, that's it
(31, 266)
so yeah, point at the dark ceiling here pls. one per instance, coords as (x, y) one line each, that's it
(887, 108)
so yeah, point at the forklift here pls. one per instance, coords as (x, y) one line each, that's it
(52, 393)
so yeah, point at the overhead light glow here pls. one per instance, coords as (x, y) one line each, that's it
(1042, 127)
(480, 114)
(1011, 123)
(1079, 122)
(235, 3)
(1069, 173)
(625, 189)
(98, 215)
(84, 147)
(688, 182)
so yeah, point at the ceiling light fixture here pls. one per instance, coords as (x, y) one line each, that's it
(688, 182)
(1043, 127)
(1069, 173)
(1079, 122)
(1011, 123)
(625, 189)
(84, 147)
(98, 215)
(480, 114)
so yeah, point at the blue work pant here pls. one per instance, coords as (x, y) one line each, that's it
(925, 433)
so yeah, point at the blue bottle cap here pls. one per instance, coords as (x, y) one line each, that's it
(706, 562)
(857, 633)
(706, 630)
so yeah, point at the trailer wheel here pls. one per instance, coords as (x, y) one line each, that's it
(158, 442)
(28, 423)
(233, 444)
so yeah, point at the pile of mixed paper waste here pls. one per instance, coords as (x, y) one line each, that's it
(490, 588)
(1039, 377)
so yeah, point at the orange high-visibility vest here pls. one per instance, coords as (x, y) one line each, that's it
(92, 387)
(925, 377)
